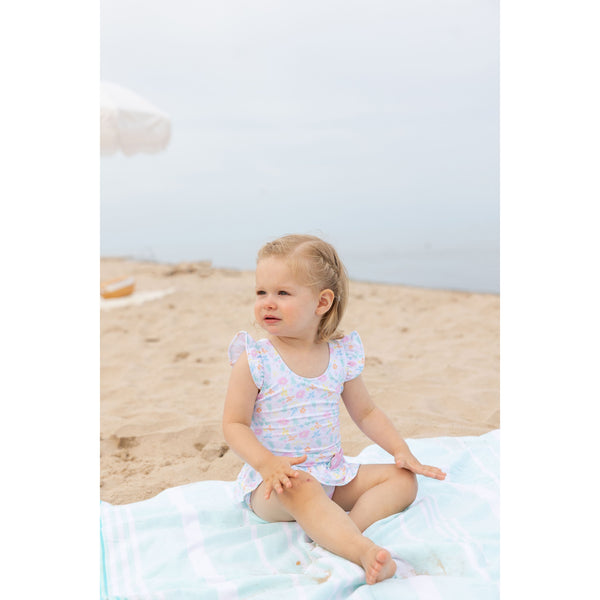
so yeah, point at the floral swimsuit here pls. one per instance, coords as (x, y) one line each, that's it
(296, 415)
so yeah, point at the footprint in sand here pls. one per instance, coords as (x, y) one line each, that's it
(128, 442)
(212, 450)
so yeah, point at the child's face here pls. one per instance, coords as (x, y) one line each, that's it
(284, 307)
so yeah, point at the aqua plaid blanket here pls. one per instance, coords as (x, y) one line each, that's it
(195, 542)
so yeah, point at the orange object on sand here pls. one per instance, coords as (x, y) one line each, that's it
(117, 288)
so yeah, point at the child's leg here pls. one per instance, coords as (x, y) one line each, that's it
(326, 523)
(376, 492)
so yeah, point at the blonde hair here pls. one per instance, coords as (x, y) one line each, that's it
(315, 263)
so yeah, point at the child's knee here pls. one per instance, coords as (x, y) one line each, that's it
(305, 485)
(413, 486)
(407, 482)
(304, 482)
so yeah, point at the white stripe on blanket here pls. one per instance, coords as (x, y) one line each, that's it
(196, 542)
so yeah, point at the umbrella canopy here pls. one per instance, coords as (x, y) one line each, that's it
(130, 123)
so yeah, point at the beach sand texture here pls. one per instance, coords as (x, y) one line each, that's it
(432, 364)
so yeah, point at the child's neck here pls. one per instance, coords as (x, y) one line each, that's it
(305, 357)
(303, 343)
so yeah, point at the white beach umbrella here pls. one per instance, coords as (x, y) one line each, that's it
(130, 123)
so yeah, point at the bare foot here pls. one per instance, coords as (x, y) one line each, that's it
(378, 565)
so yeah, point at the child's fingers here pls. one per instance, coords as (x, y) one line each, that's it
(277, 486)
(278, 476)
(433, 472)
(296, 460)
(419, 469)
(286, 482)
(268, 490)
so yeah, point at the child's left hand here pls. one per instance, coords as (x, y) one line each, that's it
(412, 464)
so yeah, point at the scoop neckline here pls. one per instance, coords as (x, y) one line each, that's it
(329, 346)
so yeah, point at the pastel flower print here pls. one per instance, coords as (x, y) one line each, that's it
(300, 394)
(282, 380)
(305, 433)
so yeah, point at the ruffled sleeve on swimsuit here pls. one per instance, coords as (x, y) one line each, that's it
(354, 355)
(243, 342)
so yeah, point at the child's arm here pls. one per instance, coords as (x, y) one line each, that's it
(237, 416)
(374, 423)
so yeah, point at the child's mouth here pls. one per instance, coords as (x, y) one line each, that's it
(271, 319)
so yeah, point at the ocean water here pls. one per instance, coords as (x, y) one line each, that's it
(380, 241)
(373, 125)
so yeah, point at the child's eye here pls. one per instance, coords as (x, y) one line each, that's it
(260, 292)
(283, 293)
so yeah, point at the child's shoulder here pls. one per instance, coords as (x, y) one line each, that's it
(244, 342)
(349, 342)
(350, 352)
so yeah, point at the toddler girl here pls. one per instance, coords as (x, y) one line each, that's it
(281, 411)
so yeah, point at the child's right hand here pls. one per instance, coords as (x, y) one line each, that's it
(277, 471)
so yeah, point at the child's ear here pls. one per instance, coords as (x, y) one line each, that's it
(326, 298)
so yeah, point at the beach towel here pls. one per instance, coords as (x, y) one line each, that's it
(195, 542)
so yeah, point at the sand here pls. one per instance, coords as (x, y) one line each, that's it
(432, 364)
